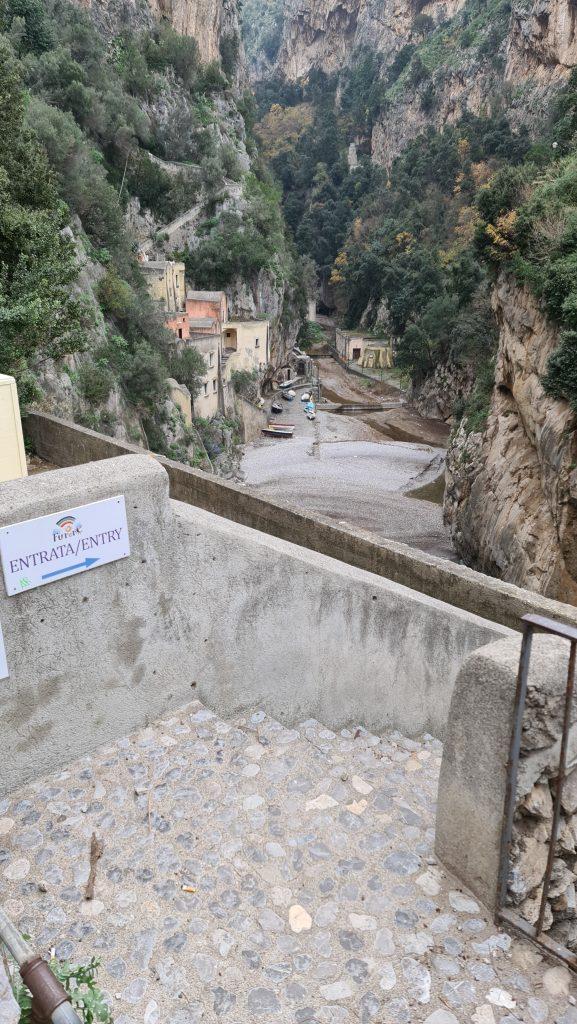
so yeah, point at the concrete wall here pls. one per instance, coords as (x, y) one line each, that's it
(92, 655)
(180, 395)
(251, 417)
(206, 606)
(471, 802)
(66, 444)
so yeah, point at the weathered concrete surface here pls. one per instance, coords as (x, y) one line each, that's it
(66, 444)
(304, 635)
(474, 770)
(257, 874)
(95, 655)
(204, 602)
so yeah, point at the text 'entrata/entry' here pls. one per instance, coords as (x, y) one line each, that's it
(50, 548)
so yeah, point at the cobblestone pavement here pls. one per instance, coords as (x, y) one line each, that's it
(257, 873)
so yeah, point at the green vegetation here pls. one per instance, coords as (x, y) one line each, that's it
(39, 312)
(189, 368)
(310, 334)
(87, 124)
(412, 251)
(79, 980)
(240, 245)
(245, 383)
(262, 28)
(528, 223)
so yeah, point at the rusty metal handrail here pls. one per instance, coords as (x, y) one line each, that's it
(504, 915)
(50, 1000)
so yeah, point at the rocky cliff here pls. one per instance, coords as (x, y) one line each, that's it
(511, 496)
(207, 21)
(467, 52)
(326, 33)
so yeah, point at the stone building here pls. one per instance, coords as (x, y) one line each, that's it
(165, 283)
(363, 349)
(208, 402)
(200, 318)
(245, 346)
(207, 306)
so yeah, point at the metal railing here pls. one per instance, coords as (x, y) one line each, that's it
(50, 1001)
(504, 914)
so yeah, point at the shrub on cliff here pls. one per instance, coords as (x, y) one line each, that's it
(560, 381)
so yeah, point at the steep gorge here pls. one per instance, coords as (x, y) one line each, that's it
(439, 208)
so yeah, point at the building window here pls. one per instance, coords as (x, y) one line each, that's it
(214, 385)
(256, 343)
(205, 386)
(180, 332)
(211, 359)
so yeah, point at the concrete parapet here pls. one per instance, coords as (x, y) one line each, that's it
(304, 635)
(67, 444)
(96, 654)
(206, 606)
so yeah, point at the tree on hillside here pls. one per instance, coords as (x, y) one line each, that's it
(40, 316)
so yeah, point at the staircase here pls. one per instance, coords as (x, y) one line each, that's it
(254, 872)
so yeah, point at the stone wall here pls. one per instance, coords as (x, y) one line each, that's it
(206, 607)
(473, 779)
(67, 444)
(251, 417)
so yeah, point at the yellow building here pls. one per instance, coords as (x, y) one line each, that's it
(165, 283)
(364, 350)
(245, 346)
(12, 455)
(207, 402)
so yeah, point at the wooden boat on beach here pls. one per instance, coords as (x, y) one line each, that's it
(277, 429)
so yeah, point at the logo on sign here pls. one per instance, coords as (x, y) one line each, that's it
(68, 526)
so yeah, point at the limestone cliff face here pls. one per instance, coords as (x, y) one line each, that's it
(542, 42)
(511, 498)
(534, 58)
(208, 21)
(325, 33)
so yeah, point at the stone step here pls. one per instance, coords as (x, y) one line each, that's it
(253, 872)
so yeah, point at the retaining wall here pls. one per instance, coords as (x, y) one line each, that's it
(204, 606)
(473, 780)
(252, 418)
(66, 444)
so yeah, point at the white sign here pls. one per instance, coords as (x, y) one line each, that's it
(4, 673)
(49, 548)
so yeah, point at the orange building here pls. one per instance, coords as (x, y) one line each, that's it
(206, 311)
(179, 324)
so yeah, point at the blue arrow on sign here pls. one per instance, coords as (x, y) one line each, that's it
(70, 568)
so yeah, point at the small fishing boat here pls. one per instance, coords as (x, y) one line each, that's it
(288, 395)
(305, 397)
(279, 430)
(276, 407)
